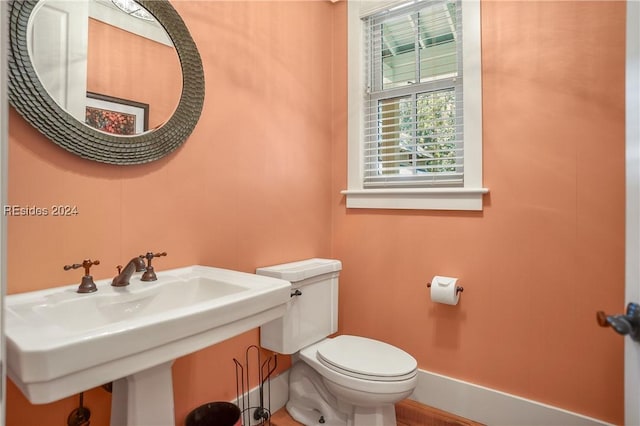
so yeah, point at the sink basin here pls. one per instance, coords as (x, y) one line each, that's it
(60, 342)
(76, 314)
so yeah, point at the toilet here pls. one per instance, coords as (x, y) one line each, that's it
(344, 380)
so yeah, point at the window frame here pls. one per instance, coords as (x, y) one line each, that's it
(467, 197)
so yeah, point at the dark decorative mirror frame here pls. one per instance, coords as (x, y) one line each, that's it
(31, 100)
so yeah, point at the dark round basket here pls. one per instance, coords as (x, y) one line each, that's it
(214, 414)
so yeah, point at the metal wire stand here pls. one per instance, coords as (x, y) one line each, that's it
(256, 413)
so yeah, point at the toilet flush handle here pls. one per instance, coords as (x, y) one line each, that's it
(296, 292)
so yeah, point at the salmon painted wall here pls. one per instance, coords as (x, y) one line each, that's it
(546, 252)
(258, 183)
(250, 187)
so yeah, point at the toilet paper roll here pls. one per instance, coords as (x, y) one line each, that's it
(443, 290)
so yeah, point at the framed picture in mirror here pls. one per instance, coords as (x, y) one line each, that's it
(116, 115)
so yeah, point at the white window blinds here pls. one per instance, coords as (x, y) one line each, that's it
(413, 121)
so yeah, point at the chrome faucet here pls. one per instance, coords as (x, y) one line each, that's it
(124, 275)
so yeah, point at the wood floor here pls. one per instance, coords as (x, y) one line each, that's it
(408, 413)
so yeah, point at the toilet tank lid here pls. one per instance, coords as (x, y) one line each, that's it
(303, 269)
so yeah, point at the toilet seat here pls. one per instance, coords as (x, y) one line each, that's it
(368, 384)
(366, 359)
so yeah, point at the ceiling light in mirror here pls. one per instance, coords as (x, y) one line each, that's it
(130, 7)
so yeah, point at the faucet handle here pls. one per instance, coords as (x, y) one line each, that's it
(151, 255)
(86, 264)
(72, 266)
(150, 274)
(86, 285)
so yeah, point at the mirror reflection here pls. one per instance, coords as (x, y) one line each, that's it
(113, 69)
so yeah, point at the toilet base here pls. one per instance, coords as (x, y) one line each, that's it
(311, 403)
(379, 416)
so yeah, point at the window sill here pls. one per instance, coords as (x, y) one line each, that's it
(416, 198)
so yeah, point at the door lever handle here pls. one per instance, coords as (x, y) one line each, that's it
(629, 323)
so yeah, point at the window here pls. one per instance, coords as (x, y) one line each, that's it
(415, 133)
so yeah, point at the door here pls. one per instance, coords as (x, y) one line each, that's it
(632, 274)
(58, 40)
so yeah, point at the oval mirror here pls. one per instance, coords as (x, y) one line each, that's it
(113, 105)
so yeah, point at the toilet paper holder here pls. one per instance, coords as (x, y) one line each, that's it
(459, 289)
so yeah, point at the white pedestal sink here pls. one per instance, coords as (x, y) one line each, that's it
(135, 398)
(60, 342)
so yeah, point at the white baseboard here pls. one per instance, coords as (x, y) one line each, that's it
(490, 406)
(474, 402)
(279, 397)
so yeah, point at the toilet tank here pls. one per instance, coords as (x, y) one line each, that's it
(312, 314)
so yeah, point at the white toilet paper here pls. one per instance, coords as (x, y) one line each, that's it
(443, 290)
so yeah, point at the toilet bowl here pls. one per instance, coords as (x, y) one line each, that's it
(365, 376)
(344, 380)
